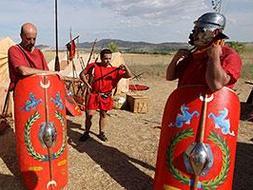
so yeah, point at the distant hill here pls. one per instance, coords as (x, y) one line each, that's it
(137, 47)
(134, 47)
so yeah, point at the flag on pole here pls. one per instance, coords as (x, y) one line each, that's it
(71, 47)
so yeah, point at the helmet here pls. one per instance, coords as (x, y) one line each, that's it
(211, 21)
(204, 31)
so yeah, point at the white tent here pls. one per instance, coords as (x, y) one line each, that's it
(5, 44)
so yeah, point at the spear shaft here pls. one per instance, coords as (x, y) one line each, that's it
(57, 64)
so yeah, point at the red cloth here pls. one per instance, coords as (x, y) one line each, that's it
(104, 80)
(138, 87)
(20, 57)
(95, 101)
(71, 46)
(194, 69)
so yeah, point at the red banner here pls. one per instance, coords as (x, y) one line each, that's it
(71, 47)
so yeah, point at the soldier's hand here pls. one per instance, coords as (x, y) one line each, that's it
(214, 51)
(181, 54)
(122, 67)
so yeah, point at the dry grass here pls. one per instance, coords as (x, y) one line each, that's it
(50, 55)
(152, 66)
(155, 65)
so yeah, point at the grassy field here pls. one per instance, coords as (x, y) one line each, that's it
(247, 57)
(49, 54)
(155, 65)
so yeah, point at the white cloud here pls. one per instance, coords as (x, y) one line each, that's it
(155, 11)
(138, 20)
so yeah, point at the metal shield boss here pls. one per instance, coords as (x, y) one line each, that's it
(40, 125)
(198, 140)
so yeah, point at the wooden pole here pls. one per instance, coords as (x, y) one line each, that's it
(57, 64)
(91, 51)
(201, 134)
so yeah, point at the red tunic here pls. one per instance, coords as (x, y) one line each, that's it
(103, 82)
(194, 69)
(20, 57)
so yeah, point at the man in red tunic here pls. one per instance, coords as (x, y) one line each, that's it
(103, 78)
(211, 65)
(211, 62)
(24, 58)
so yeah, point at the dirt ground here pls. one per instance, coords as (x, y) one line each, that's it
(127, 160)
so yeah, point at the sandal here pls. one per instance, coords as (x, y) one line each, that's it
(84, 137)
(102, 137)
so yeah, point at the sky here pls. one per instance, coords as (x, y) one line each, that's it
(154, 21)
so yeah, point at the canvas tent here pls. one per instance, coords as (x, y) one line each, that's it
(5, 44)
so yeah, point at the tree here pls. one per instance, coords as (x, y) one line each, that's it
(113, 47)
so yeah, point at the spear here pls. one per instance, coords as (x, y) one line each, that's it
(56, 64)
(72, 39)
(92, 50)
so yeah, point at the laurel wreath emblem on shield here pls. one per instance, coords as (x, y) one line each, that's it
(28, 126)
(217, 140)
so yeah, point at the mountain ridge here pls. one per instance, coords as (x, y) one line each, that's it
(132, 46)
(140, 46)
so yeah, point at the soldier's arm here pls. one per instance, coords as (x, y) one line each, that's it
(84, 78)
(216, 77)
(26, 71)
(171, 69)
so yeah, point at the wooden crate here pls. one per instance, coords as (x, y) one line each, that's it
(137, 103)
